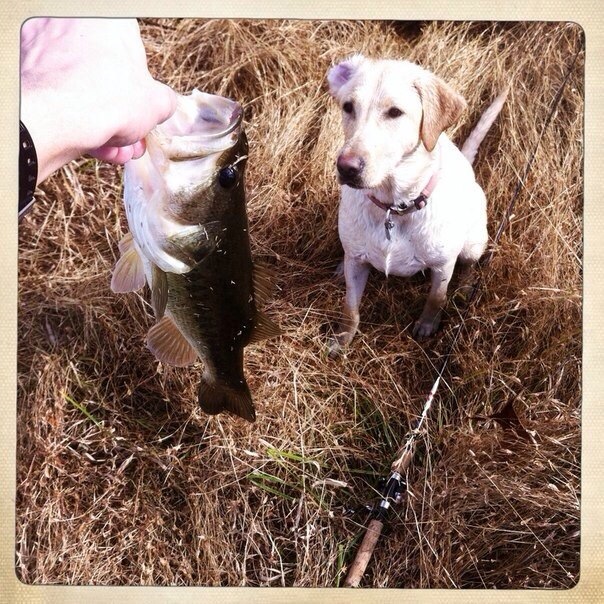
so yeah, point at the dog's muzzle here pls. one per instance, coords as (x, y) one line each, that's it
(350, 168)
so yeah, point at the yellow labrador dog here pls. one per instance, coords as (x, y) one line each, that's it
(409, 199)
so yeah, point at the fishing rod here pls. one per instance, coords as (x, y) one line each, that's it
(395, 485)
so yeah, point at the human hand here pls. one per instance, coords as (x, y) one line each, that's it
(86, 89)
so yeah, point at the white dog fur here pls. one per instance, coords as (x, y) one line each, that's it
(393, 116)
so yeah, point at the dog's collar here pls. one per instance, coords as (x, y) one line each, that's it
(419, 203)
(414, 205)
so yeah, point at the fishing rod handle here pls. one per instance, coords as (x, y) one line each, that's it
(364, 553)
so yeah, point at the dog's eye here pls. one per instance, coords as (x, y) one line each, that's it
(348, 107)
(394, 112)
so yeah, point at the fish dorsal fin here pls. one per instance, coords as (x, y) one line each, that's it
(169, 346)
(264, 328)
(263, 283)
(159, 292)
(129, 272)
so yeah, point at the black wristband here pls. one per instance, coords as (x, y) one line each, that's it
(28, 170)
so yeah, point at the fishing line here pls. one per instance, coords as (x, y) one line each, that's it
(395, 484)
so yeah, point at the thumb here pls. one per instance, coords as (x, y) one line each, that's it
(162, 100)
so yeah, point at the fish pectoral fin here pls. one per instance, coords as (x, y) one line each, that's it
(126, 243)
(194, 243)
(159, 291)
(129, 272)
(264, 285)
(215, 397)
(264, 328)
(169, 346)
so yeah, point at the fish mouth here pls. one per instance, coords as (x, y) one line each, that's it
(203, 124)
(218, 116)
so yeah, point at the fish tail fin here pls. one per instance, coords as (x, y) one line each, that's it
(215, 397)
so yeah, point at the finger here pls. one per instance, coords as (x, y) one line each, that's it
(159, 105)
(138, 149)
(114, 155)
(163, 102)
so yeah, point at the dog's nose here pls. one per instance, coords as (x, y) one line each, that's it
(350, 166)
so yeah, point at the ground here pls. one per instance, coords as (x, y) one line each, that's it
(123, 480)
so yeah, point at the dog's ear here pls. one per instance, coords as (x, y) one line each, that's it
(441, 106)
(341, 73)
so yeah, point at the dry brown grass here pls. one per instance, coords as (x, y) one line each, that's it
(121, 480)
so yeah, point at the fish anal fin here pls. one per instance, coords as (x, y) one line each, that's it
(215, 397)
(264, 328)
(129, 272)
(169, 346)
(159, 292)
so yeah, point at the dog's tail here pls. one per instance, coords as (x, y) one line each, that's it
(470, 147)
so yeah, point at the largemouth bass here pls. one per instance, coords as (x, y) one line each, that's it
(189, 240)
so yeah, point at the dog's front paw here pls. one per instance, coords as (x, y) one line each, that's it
(338, 343)
(424, 328)
(334, 348)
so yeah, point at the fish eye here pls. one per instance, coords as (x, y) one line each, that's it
(394, 112)
(348, 107)
(227, 177)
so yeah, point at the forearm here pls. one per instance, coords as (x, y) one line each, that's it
(49, 128)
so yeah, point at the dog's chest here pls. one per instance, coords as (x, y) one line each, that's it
(410, 248)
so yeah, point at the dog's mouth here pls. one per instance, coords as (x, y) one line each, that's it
(352, 182)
